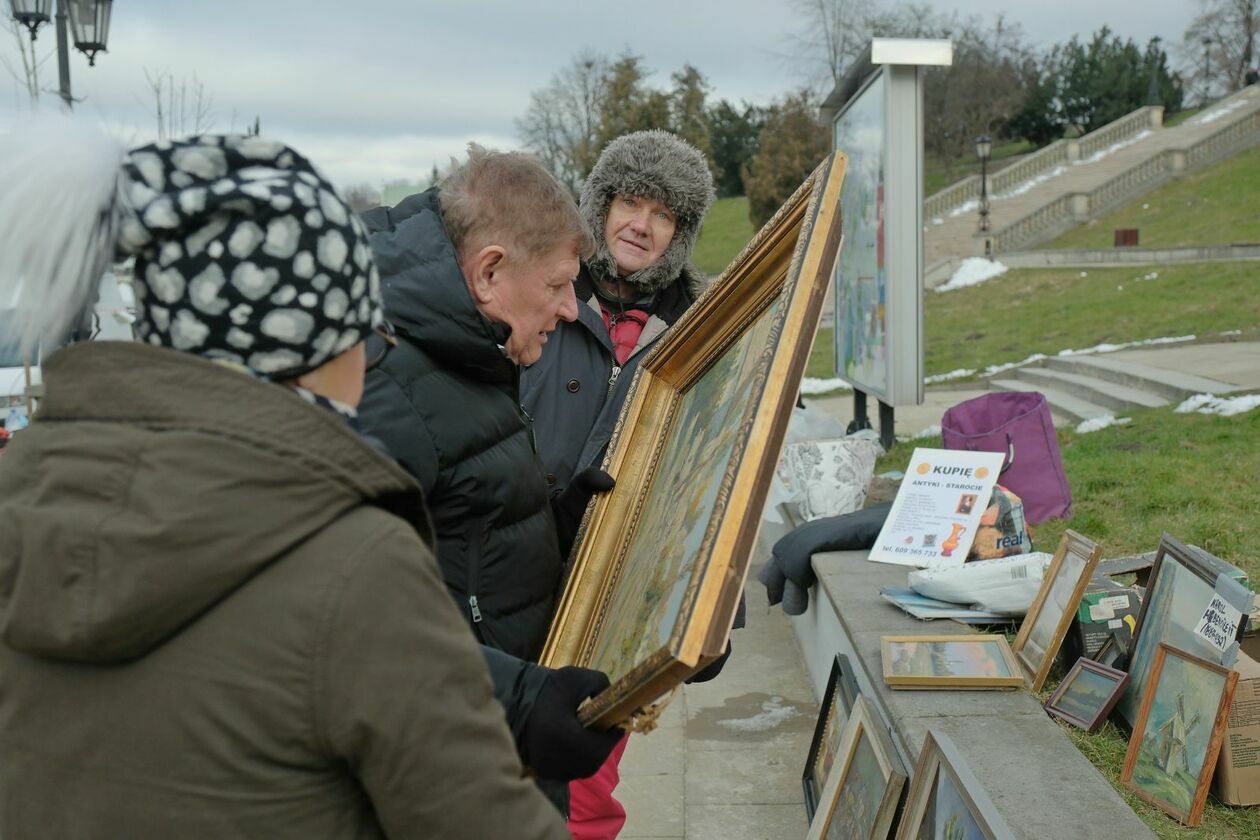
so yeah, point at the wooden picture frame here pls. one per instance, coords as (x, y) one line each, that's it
(1113, 653)
(833, 715)
(942, 780)
(963, 660)
(662, 557)
(860, 798)
(1181, 584)
(1050, 615)
(1087, 694)
(1165, 732)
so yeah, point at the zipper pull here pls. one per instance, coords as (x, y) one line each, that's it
(612, 380)
(476, 610)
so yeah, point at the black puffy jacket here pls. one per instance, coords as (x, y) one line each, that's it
(445, 402)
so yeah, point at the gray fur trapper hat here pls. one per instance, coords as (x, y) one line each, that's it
(657, 165)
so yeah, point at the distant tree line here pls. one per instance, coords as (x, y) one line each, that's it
(998, 85)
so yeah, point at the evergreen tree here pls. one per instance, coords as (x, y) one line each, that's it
(733, 137)
(792, 144)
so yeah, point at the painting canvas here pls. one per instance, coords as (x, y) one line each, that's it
(1177, 736)
(838, 699)
(946, 802)
(680, 504)
(1050, 614)
(1087, 694)
(982, 661)
(661, 559)
(1181, 586)
(861, 795)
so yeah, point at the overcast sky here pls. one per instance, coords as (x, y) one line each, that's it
(382, 89)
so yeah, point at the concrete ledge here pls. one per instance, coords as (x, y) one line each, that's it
(1036, 777)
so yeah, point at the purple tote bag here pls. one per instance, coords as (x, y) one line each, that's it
(1018, 424)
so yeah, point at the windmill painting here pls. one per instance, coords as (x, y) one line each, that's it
(1177, 736)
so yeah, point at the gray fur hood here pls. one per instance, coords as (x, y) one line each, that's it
(658, 165)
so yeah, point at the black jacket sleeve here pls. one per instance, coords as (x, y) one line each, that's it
(387, 415)
(516, 686)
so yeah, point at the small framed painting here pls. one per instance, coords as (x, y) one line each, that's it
(1178, 732)
(960, 661)
(946, 801)
(1050, 615)
(860, 798)
(1114, 652)
(1087, 694)
(837, 703)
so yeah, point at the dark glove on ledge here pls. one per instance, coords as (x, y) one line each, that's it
(553, 744)
(789, 574)
(570, 506)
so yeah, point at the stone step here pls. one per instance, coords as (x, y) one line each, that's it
(1062, 404)
(1102, 392)
(1174, 385)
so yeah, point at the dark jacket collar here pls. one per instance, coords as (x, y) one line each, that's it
(426, 296)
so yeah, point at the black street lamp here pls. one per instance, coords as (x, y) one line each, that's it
(88, 18)
(1152, 90)
(984, 147)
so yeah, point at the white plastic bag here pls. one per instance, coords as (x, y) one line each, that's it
(829, 477)
(1005, 585)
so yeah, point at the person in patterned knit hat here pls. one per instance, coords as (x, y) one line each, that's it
(220, 613)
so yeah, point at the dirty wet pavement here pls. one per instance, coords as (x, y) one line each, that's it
(726, 760)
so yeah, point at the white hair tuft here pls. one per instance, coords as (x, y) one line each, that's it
(58, 217)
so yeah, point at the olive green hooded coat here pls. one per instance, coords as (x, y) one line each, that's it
(221, 617)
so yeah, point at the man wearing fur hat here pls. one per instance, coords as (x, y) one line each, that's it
(644, 203)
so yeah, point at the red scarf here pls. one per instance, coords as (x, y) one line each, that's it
(624, 328)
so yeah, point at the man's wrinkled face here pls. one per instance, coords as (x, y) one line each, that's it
(637, 231)
(533, 297)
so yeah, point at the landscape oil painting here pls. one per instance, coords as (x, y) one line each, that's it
(833, 715)
(964, 660)
(1086, 695)
(864, 785)
(1050, 614)
(946, 801)
(1173, 606)
(860, 794)
(1177, 736)
(679, 504)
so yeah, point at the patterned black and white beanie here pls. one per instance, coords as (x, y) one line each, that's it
(244, 253)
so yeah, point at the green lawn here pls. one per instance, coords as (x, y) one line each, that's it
(1217, 206)
(1162, 472)
(725, 233)
(1046, 310)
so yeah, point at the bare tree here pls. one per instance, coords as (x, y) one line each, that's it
(361, 197)
(25, 71)
(561, 125)
(832, 34)
(1230, 29)
(180, 107)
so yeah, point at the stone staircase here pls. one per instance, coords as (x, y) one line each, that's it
(1071, 181)
(1085, 387)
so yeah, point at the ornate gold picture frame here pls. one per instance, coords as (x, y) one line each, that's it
(661, 559)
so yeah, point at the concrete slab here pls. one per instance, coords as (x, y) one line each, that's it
(745, 822)
(1235, 362)
(654, 805)
(745, 776)
(909, 420)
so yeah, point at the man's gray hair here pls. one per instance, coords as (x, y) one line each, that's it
(509, 199)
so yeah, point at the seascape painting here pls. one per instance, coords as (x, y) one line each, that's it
(948, 659)
(1175, 604)
(679, 505)
(948, 817)
(1086, 695)
(1178, 731)
(860, 795)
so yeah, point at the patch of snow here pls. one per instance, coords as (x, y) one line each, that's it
(772, 714)
(1020, 189)
(1084, 273)
(966, 207)
(1154, 275)
(1224, 406)
(1119, 288)
(1146, 207)
(930, 431)
(973, 271)
(1111, 348)
(1231, 332)
(1114, 147)
(957, 373)
(992, 369)
(1216, 113)
(812, 386)
(938, 221)
(1093, 424)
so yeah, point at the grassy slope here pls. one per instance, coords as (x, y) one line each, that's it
(725, 233)
(1044, 311)
(1162, 472)
(1214, 207)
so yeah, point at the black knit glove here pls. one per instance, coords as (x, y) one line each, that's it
(711, 670)
(570, 506)
(553, 744)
